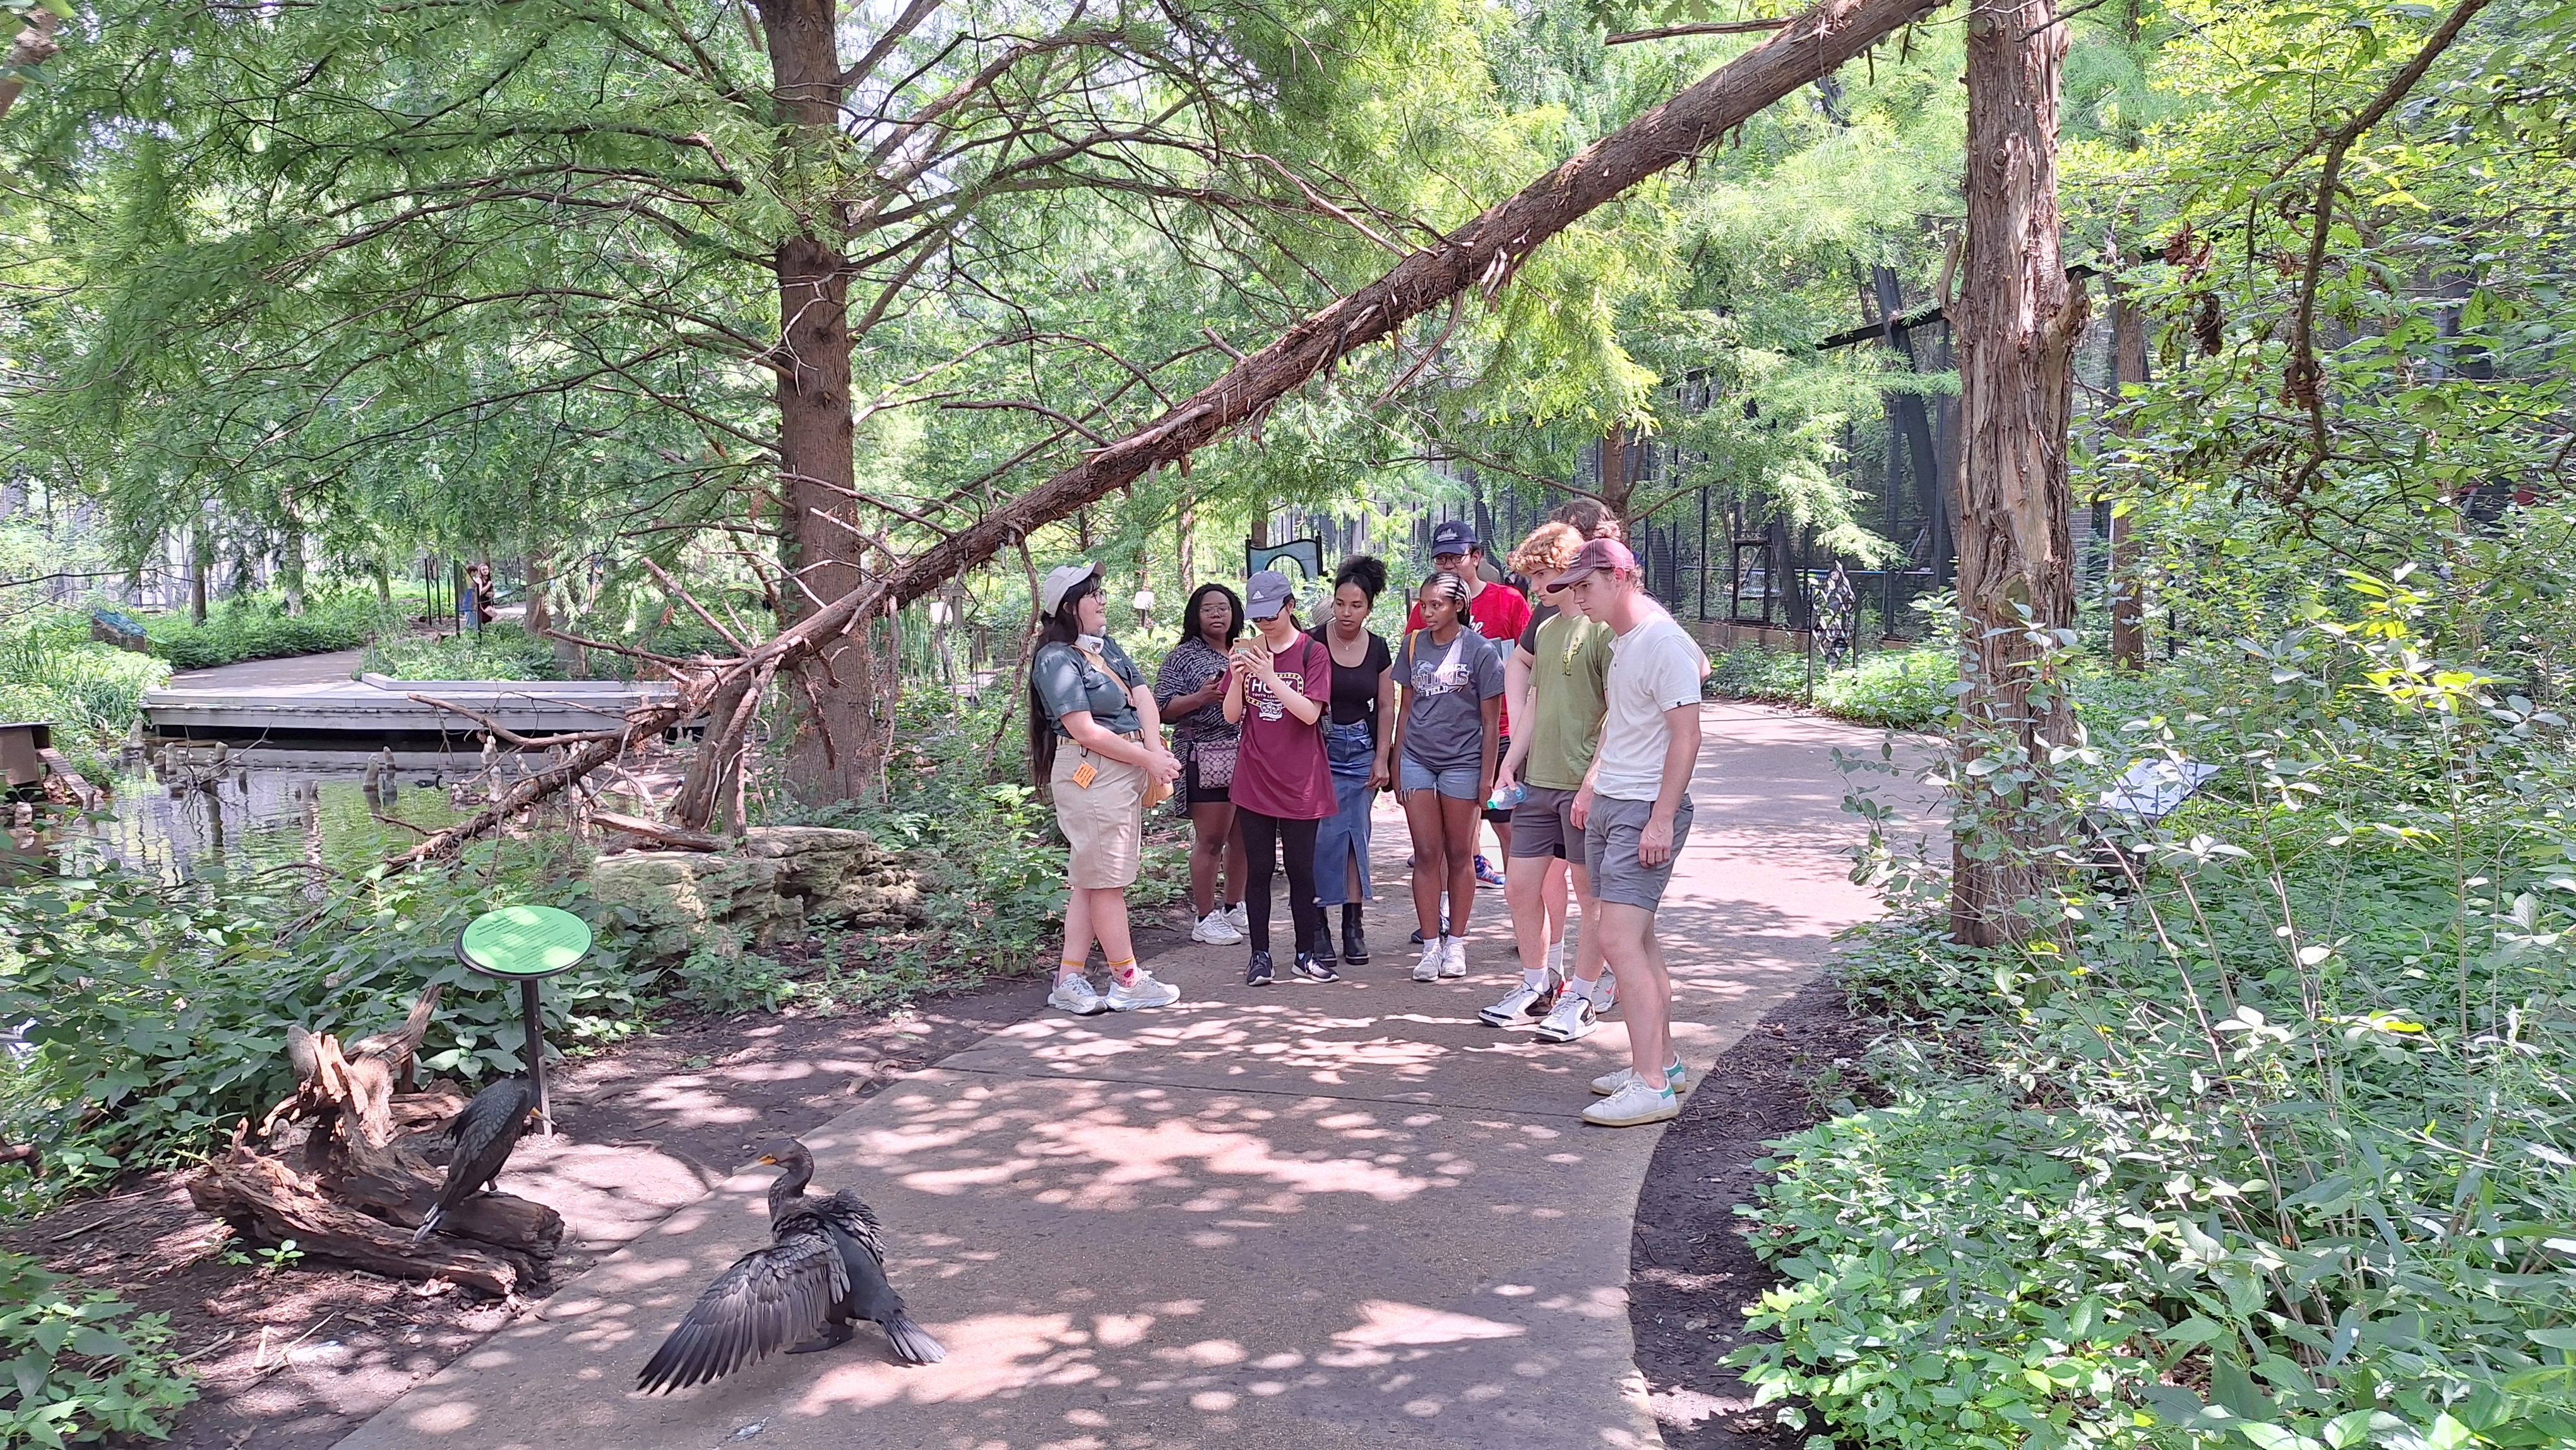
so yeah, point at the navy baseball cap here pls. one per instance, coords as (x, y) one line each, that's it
(1456, 536)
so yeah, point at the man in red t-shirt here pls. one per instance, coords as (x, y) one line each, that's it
(1499, 612)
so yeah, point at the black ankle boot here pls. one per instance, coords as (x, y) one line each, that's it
(1354, 946)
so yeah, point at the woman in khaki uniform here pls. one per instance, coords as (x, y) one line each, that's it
(1097, 740)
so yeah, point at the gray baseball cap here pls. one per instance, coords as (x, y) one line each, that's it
(1060, 581)
(1266, 593)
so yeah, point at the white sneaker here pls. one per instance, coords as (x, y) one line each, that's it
(1428, 969)
(1633, 1104)
(1454, 962)
(1677, 1077)
(1241, 915)
(1076, 995)
(1605, 995)
(1519, 1004)
(1141, 993)
(1572, 1021)
(1216, 929)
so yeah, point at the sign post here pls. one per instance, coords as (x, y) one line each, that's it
(526, 944)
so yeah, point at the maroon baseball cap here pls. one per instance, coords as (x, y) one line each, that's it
(1595, 556)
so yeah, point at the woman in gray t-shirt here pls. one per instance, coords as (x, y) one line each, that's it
(1447, 730)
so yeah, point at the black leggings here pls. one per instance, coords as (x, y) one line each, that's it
(1298, 838)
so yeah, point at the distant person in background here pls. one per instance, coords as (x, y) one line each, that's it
(1558, 677)
(1085, 694)
(1279, 690)
(1359, 743)
(1450, 680)
(1190, 690)
(1590, 516)
(1497, 612)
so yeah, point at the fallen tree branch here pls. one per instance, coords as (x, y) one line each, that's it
(1484, 254)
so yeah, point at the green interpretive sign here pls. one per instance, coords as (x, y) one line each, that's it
(524, 941)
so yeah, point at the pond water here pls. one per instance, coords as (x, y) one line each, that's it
(265, 818)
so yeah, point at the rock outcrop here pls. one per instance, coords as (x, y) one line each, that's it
(779, 881)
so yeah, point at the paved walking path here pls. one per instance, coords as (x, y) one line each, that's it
(1300, 1216)
(284, 672)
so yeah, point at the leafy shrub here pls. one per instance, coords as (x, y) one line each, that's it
(156, 1015)
(51, 670)
(499, 651)
(2267, 1142)
(79, 1369)
(1899, 689)
(258, 628)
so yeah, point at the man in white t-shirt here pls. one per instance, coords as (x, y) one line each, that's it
(1635, 811)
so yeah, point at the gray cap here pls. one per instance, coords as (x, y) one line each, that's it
(1266, 593)
(1059, 582)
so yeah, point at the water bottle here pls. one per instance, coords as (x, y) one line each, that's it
(1503, 800)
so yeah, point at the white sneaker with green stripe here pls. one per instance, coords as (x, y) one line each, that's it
(1633, 1104)
(1676, 1077)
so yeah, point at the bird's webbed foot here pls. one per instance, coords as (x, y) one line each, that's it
(833, 1336)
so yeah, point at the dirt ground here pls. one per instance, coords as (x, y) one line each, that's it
(1691, 1268)
(294, 1358)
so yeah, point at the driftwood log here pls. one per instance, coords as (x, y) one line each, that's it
(368, 1169)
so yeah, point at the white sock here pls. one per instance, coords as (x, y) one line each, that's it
(1535, 979)
(1447, 941)
(1591, 990)
(1556, 958)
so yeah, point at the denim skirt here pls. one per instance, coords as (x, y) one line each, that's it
(1343, 836)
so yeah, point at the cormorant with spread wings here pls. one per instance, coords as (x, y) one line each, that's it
(824, 1269)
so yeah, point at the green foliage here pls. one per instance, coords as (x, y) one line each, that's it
(2266, 1141)
(258, 628)
(1898, 689)
(719, 977)
(157, 1015)
(78, 1368)
(498, 651)
(51, 670)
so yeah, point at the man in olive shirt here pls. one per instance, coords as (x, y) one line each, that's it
(1558, 679)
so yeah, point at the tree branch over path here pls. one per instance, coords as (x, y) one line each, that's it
(1483, 255)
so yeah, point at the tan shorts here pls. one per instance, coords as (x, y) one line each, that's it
(1105, 821)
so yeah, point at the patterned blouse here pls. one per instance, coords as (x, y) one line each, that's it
(1192, 665)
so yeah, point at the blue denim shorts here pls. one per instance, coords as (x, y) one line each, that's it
(1458, 782)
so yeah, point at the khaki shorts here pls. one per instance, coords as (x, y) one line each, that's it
(1104, 822)
(1610, 835)
(1543, 825)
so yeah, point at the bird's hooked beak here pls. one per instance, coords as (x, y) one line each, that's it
(767, 1160)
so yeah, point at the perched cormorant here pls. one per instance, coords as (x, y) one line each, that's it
(823, 1269)
(483, 1134)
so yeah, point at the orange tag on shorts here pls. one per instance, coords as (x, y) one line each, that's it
(1084, 775)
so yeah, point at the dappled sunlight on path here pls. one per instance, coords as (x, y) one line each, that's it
(1311, 1216)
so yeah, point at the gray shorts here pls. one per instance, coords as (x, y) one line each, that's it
(1543, 825)
(1610, 835)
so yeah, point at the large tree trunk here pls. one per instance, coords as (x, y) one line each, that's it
(2017, 318)
(841, 727)
(290, 568)
(201, 562)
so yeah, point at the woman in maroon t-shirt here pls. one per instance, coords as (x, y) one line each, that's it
(1283, 786)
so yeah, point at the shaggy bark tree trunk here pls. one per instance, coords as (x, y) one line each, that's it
(840, 727)
(290, 569)
(2017, 318)
(201, 562)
